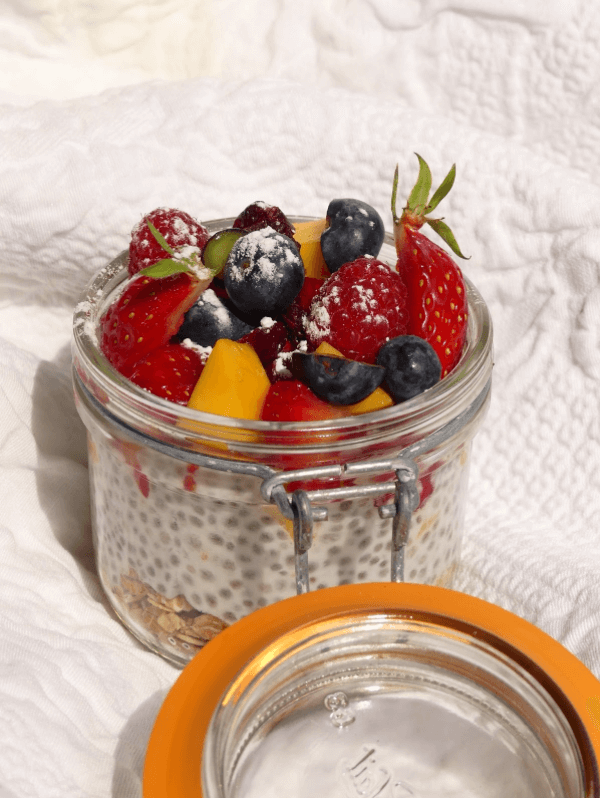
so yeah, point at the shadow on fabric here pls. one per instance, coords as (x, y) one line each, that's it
(62, 473)
(130, 752)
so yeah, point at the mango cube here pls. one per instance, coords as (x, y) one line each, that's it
(233, 382)
(308, 235)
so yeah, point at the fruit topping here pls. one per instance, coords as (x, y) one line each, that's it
(292, 400)
(267, 340)
(217, 249)
(233, 382)
(213, 317)
(377, 400)
(260, 215)
(411, 366)
(296, 314)
(146, 315)
(178, 229)
(357, 309)
(336, 379)
(309, 309)
(264, 273)
(437, 297)
(355, 230)
(308, 235)
(170, 371)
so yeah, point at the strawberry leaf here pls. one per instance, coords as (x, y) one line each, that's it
(394, 194)
(418, 196)
(160, 238)
(442, 190)
(446, 234)
(165, 268)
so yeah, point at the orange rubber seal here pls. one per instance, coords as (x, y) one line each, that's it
(173, 759)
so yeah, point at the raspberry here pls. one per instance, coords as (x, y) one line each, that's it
(259, 215)
(358, 309)
(295, 314)
(267, 341)
(178, 229)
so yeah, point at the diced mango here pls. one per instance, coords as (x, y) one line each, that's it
(375, 401)
(233, 382)
(308, 235)
(325, 348)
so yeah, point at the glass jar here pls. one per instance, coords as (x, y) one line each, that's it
(199, 519)
(388, 690)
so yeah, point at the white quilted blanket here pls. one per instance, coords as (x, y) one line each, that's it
(109, 110)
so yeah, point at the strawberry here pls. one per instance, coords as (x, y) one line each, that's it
(437, 297)
(292, 400)
(170, 371)
(358, 308)
(176, 227)
(146, 315)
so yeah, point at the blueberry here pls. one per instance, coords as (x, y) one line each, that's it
(211, 318)
(411, 366)
(355, 230)
(335, 379)
(264, 273)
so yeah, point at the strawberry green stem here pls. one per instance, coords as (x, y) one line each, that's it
(414, 214)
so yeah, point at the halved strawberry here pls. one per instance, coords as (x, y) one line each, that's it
(146, 316)
(291, 400)
(437, 297)
(170, 371)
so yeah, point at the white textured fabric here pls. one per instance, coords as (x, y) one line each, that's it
(207, 107)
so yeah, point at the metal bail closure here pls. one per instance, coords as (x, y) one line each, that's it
(303, 533)
(406, 500)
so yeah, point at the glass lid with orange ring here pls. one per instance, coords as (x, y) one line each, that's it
(379, 691)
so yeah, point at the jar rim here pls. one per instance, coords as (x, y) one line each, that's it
(448, 397)
(175, 746)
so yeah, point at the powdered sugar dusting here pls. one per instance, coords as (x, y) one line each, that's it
(259, 247)
(203, 351)
(208, 297)
(83, 322)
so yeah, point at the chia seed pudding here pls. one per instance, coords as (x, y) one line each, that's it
(183, 550)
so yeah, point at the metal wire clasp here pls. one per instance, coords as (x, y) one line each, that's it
(300, 505)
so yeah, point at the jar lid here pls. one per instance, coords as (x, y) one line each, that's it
(446, 618)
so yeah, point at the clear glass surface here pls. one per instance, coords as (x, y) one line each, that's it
(381, 705)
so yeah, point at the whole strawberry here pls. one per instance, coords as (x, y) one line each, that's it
(437, 298)
(358, 308)
(176, 227)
